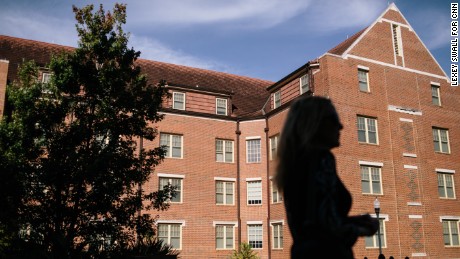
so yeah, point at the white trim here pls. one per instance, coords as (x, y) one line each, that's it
(385, 217)
(234, 223)
(435, 83)
(441, 218)
(414, 204)
(442, 170)
(397, 67)
(406, 120)
(170, 221)
(403, 110)
(253, 137)
(418, 254)
(4, 61)
(258, 120)
(274, 222)
(378, 164)
(255, 222)
(415, 216)
(410, 167)
(274, 99)
(363, 68)
(171, 175)
(225, 179)
(253, 179)
(409, 155)
(397, 23)
(195, 117)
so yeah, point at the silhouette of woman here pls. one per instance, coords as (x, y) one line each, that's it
(316, 201)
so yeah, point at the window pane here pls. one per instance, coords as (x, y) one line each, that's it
(229, 151)
(254, 192)
(372, 137)
(229, 193)
(178, 102)
(229, 237)
(253, 151)
(369, 241)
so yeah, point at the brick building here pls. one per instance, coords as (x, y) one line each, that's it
(400, 143)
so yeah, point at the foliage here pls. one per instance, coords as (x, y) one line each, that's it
(70, 163)
(245, 252)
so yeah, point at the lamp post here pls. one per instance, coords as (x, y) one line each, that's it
(377, 211)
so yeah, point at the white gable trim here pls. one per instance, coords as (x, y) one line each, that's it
(392, 6)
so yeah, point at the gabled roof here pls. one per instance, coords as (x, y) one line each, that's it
(342, 47)
(248, 94)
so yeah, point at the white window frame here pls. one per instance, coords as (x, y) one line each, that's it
(366, 71)
(273, 146)
(224, 192)
(366, 129)
(225, 143)
(170, 177)
(255, 235)
(174, 101)
(255, 156)
(375, 239)
(371, 181)
(276, 99)
(168, 237)
(450, 221)
(437, 97)
(439, 140)
(46, 77)
(276, 195)
(217, 106)
(304, 80)
(446, 173)
(255, 194)
(169, 153)
(225, 226)
(277, 225)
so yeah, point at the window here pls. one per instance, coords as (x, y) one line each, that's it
(371, 180)
(363, 78)
(304, 84)
(224, 236)
(254, 192)
(277, 235)
(255, 235)
(221, 106)
(253, 151)
(435, 96)
(224, 192)
(273, 147)
(276, 99)
(178, 101)
(224, 151)
(441, 140)
(172, 144)
(174, 182)
(170, 234)
(450, 229)
(367, 130)
(446, 187)
(397, 39)
(373, 241)
(46, 77)
(276, 195)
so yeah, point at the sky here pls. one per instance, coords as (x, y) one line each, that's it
(266, 39)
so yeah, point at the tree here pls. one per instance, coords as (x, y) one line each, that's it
(70, 147)
(245, 252)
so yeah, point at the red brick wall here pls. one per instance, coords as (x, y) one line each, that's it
(3, 81)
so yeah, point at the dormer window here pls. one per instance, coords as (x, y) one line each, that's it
(221, 106)
(178, 101)
(304, 84)
(276, 99)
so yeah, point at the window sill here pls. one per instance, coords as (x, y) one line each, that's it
(372, 194)
(365, 143)
(217, 204)
(447, 198)
(442, 153)
(222, 162)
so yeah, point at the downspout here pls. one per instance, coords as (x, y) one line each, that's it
(139, 187)
(238, 187)
(268, 189)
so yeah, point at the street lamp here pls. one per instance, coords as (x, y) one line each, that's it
(377, 211)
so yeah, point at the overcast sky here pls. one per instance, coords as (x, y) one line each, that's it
(264, 39)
